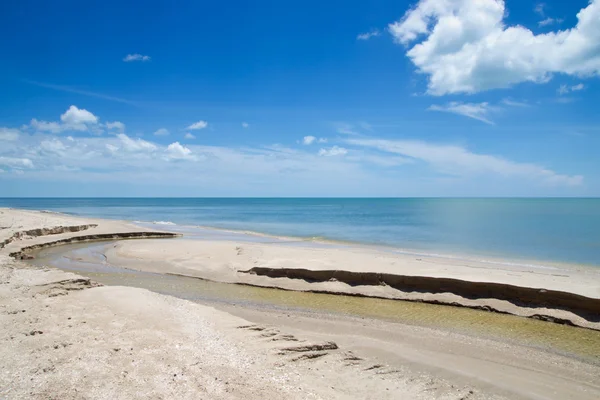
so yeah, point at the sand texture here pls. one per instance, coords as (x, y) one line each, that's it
(566, 295)
(64, 336)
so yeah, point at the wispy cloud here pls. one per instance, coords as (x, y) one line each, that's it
(458, 160)
(136, 57)
(308, 140)
(198, 125)
(69, 89)
(368, 35)
(345, 128)
(161, 132)
(478, 111)
(564, 89)
(333, 151)
(550, 21)
(514, 103)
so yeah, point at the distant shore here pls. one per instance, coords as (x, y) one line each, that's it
(62, 332)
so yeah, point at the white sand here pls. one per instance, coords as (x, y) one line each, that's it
(225, 261)
(62, 337)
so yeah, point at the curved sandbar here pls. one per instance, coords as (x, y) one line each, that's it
(569, 296)
(23, 231)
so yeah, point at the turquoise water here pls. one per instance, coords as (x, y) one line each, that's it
(562, 230)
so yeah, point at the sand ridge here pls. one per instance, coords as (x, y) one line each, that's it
(570, 296)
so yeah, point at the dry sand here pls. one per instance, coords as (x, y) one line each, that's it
(64, 337)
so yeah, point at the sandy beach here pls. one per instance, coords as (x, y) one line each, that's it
(66, 336)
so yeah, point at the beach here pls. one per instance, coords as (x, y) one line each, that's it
(67, 336)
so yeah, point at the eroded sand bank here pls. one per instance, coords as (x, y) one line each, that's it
(567, 295)
(63, 336)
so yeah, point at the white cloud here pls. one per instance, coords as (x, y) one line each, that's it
(161, 132)
(116, 125)
(9, 134)
(322, 140)
(478, 111)
(136, 57)
(333, 151)
(564, 89)
(345, 129)
(198, 125)
(514, 103)
(135, 145)
(189, 136)
(540, 9)
(78, 119)
(245, 125)
(44, 126)
(176, 151)
(577, 87)
(308, 140)
(465, 47)
(74, 119)
(52, 145)
(368, 35)
(457, 160)
(550, 21)
(13, 162)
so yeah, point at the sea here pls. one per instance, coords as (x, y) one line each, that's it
(530, 231)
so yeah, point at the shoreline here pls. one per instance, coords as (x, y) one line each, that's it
(466, 255)
(571, 297)
(62, 334)
(460, 256)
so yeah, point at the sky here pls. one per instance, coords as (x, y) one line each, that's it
(300, 98)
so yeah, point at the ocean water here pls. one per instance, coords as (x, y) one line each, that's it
(551, 230)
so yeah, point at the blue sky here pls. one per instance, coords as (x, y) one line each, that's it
(271, 98)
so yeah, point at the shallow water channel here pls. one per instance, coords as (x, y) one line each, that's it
(88, 260)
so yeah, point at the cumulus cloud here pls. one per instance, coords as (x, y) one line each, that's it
(464, 46)
(245, 125)
(308, 140)
(78, 119)
(44, 126)
(136, 57)
(333, 151)
(74, 119)
(9, 134)
(161, 132)
(53, 145)
(189, 136)
(368, 35)
(135, 145)
(198, 125)
(458, 160)
(322, 140)
(175, 151)
(478, 111)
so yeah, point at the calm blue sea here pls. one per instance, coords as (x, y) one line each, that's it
(555, 230)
